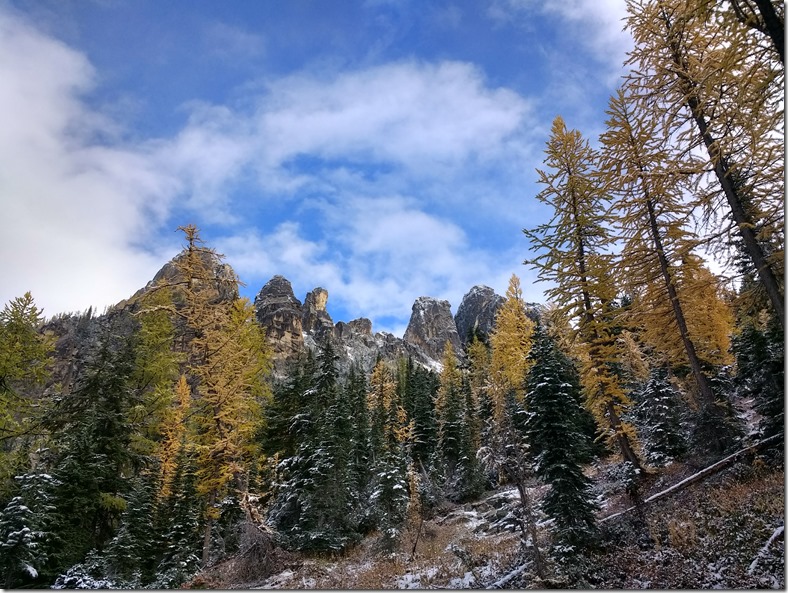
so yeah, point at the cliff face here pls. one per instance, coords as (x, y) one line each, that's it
(431, 326)
(476, 313)
(280, 313)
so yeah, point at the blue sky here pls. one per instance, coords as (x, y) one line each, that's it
(381, 149)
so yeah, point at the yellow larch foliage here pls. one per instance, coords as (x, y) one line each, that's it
(510, 343)
(173, 431)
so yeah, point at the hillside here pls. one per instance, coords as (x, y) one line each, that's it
(725, 532)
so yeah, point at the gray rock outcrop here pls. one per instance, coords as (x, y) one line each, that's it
(476, 313)
(280, 313)
(431, 325)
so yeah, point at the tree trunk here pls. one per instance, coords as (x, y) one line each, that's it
(528, 520)
(743, 221)
(707, 395)
(702, 474)
(775, 27)
(627, 452)
(206, 542)
(722, 170)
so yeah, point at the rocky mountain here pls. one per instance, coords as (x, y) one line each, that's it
(476, 313)
(293, 327)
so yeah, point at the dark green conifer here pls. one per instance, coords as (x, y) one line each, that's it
(552, 431)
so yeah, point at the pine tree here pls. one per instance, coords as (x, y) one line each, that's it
(652, 217)
(131, 554)
(95, 460)
(419, 391)
(177, 518)
(454, 446)
(313, 504)
(510, 342)
(173, 434)
(24, 363)
(19, 543)
(390, 435)
(760, 361)
(227, 359)
(33, 506)
(360, 469)
(505, 454)
(551, 429)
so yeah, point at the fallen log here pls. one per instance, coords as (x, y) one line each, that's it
(762, 552)
(701, 475)
(509, 576)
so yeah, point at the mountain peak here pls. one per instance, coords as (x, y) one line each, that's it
(477, 311)
(431, 325)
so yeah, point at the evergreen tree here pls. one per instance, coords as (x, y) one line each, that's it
(277, 436)
(313, 505)
(24, 362)
(360, 470)
(456, 456)
(27, 532)
(19, 543)
(95, 460)
(131, 554)
(419, 388)
(390, 436)
(760, 361)
(505, 454)
(551, 429)
(177, 519)
(658, 413)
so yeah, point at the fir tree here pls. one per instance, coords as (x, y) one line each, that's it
(131, 554)
(419, 388)
(659, 415)
(19, 543)
(456, 456)
(313, 505)
(552, 431)
(572, 251)
(95, 459)
(177, 518)
(760, 362)
(390, 435)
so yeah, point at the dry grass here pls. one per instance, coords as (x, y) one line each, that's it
(444, 552)
(703, 537)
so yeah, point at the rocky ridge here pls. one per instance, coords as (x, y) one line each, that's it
(293, 327)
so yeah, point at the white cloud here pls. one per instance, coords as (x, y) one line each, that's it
(375, 256)
(596, 24)
(413, 114)
(77, 216)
